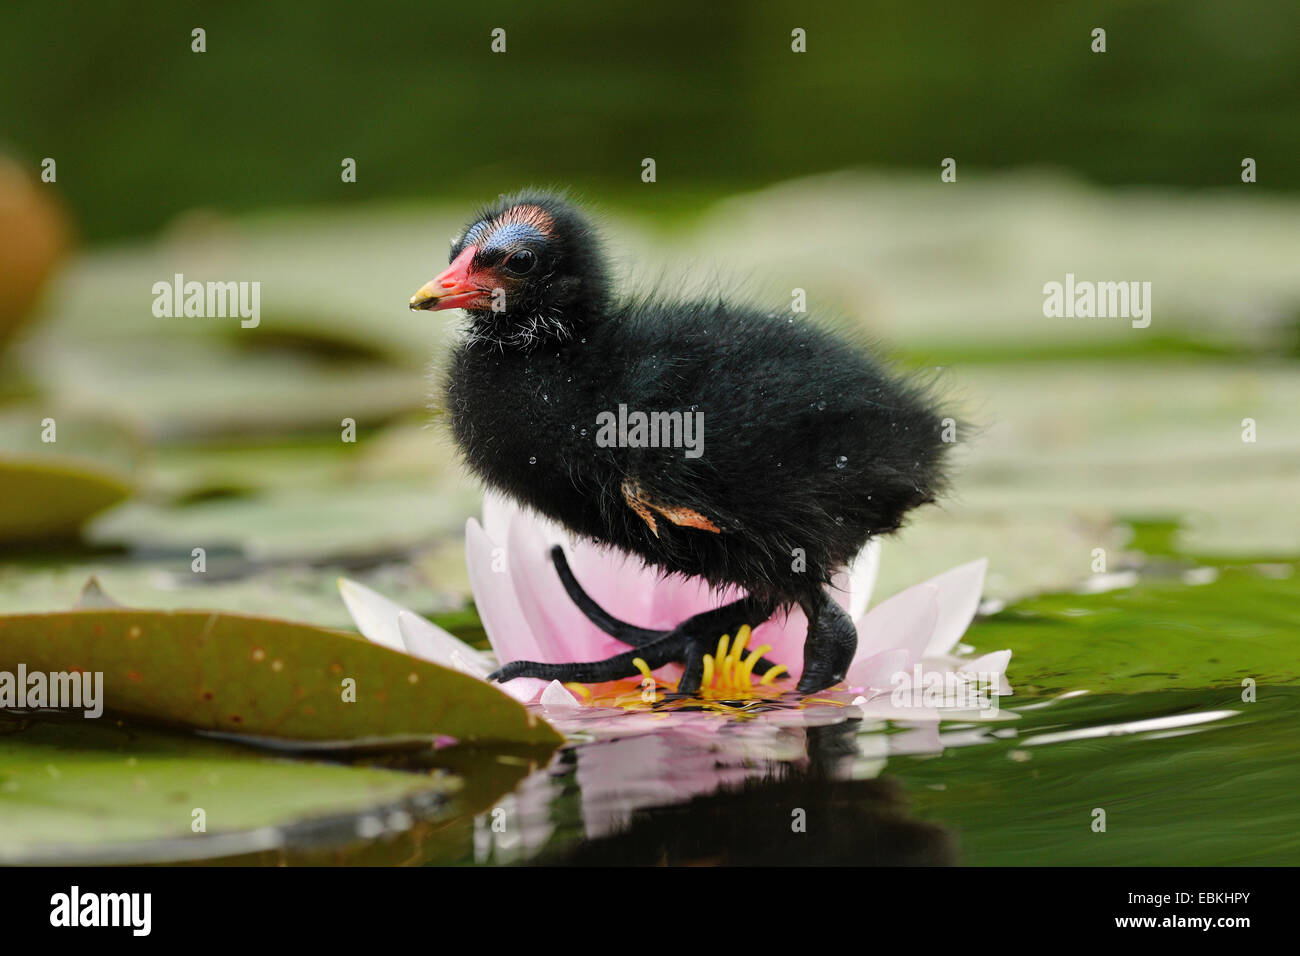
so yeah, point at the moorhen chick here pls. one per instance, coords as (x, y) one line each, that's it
(774, 449)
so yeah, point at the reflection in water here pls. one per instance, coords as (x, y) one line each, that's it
(1018, 791)
(727, 791)
(798, 819)
(718, 791)
(721, 811)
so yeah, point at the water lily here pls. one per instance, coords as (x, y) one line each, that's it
(528, 615)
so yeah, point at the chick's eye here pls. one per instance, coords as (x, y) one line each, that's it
(520, 263)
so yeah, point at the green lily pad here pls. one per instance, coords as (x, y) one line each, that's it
(377, 517)
(1158, 635)
(307, 593)
(50, 499)
(280, 682)
(92, 791)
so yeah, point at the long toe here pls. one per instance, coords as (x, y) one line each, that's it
(655, 655)
(516, 669)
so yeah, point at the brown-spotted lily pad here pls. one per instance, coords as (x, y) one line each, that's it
(281, 682)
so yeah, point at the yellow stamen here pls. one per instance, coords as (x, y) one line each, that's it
(747, 666)
(643, 667)
(742, 638)
(579, 689)
(720, 662)
(773, 674)
(727, 678)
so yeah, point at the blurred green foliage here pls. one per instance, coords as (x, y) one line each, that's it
(143, 129)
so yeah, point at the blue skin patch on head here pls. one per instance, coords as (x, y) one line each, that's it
(476, 230)
(508, 235)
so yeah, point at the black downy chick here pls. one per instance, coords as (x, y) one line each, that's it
(782, 448)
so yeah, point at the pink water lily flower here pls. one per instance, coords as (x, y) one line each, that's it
(528, 615)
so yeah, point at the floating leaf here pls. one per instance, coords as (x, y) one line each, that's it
(375, 517)
(1157, 635)
(170, 389)
(90, 791)
(50, 499)
(278, 681)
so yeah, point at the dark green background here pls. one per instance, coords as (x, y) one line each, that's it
(143, 129)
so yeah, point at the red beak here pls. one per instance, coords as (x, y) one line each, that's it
(453, 289)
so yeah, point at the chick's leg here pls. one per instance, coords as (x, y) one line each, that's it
(655, 655)
(629, 634)
(828, 649)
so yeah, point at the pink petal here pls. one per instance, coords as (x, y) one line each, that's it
(557, 697)
(905, 621)
(620, 583)
(424, 639)
(526, 690)
(374, 615)
(383, 621)
(497, 603)
(421, 642)
(387, 623)
(852, 586)
(499, 611)
(678, 598)
(786, 634)
(877, 671)
(959, 597)
(563, 632)
(498, 512)
(994, 662)
(634, 592)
